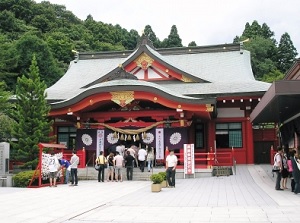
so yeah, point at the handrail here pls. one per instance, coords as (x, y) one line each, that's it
(87, 163)
(209, 159)
(87, 169)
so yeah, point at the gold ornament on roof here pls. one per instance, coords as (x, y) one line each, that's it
(186, 79)
(144, 61)
(209, 108)
(122, 98)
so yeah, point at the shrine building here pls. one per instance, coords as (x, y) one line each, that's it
(162, 98)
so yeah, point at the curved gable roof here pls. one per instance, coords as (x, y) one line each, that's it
(154, 55)
(217, 70)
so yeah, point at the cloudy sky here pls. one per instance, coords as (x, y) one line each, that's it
(207, 22)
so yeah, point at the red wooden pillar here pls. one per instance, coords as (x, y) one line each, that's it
(211, 156)
(211, 132)
(249, 145)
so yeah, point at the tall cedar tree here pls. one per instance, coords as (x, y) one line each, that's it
(287, 53)
(4, 96)
(32, 125)
(173, 39)
(5, 109)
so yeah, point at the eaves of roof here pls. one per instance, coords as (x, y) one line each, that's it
(132, 85)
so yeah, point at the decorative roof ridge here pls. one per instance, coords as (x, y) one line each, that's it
(163, 51)
(143, 41)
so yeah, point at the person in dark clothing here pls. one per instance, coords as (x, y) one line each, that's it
(129, 162)
(65, 164)
(296, 171)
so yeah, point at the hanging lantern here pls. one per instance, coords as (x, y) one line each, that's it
(122, 137)
(129, 137)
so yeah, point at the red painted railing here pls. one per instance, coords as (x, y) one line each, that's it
(207, 160)
(79, 153)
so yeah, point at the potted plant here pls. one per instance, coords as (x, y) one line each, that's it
(164, 176)
(156, 182)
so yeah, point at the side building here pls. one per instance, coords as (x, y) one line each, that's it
(160, 98)
(280, 105)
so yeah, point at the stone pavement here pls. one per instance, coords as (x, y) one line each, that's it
(247, 196)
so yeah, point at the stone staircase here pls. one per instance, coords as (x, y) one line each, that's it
(89, 173)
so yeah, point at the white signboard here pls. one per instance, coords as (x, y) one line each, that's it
(160, 151)
(189, 159)
(100, 141)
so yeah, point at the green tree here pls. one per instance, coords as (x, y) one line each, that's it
(150, 33)
(6, 128)
(286, 53)
(5, 105)
(262, 62)
(5, 110)
(255, 29)
(173, 38)
(61, 46)
(8, 62)
(49, 68)
(272, 76)
(31, 111)
(193, 43)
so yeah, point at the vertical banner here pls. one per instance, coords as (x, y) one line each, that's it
(160, 144)
(100, 141)
(189, 161)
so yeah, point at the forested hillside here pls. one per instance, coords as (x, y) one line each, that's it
(51, 33)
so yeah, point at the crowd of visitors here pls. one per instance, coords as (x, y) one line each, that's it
(113, 165)
(287, 165)
(122, 158)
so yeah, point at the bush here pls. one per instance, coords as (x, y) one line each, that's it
(23, 179)
(156, 178)
(163, 174)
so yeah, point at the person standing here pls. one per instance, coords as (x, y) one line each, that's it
(119, 163)
(110, 167)
(278, 165)
(284, 172)
(121, 149)
(150, 158)
(171, 163)
(65, 164)
(53, 165)
(290, 169)
(129, 160)
(296, 171)
(142, 158)
(101, 161)
(134, 152)
(74, 165)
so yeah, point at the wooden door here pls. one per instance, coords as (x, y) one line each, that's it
(262, 152)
